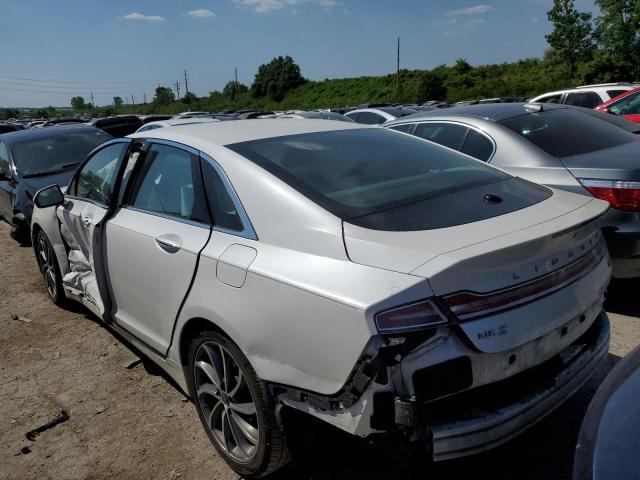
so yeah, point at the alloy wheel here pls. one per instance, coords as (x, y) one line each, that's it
(226, 401)
(47, 264)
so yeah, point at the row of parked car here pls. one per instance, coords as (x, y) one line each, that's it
(439, 279)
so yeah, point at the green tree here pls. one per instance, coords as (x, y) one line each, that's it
(117, 102)
(618, 34)
(164, 96)
(78, 103)
(431, 87)
(233, 88)
(189, 98)
(276, 78)
(572, 33)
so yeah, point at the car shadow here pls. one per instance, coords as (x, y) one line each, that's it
(621, 297)
(322, 452)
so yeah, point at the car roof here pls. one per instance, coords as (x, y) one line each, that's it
(489, 111)
(34, 133)
(235, 131)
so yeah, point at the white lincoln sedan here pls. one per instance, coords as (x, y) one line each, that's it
(383, 284)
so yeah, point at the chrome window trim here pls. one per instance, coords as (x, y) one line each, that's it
(166, 216)
(415, 123)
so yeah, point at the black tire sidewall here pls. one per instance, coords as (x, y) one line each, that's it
(59, 296)
(264, 404)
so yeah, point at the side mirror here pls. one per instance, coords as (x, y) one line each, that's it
(606, 110)
(48, 197)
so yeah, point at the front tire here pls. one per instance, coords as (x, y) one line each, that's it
(235, 407)
(49, 268)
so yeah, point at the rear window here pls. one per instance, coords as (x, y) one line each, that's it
(564, 132)
(361, 171)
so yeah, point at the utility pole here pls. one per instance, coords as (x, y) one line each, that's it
(144, 95)
(133, 101)
(186, 83)
(398, 68)
(236, 70)
(178, 89)
(92, 104)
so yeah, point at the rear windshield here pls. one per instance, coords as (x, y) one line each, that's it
(42, 156)
(564, 132)
(356, 172)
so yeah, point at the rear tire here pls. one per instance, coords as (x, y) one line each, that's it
(49, 268)
(234, 406)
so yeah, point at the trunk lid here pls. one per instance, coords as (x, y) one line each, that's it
(617, 163)
(494, 254)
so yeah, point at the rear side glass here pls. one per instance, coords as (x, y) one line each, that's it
(615, 93)
(370, 118)
(406, 128)
(478, 146)
(224, 210)
(447, 134)
(550, 99)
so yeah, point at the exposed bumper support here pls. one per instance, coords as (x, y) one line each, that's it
(488, 429)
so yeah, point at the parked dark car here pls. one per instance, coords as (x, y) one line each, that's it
(10, 127)
(566, 147)
(60, 121)
(34, 159)
(610, 433)
(119, 125)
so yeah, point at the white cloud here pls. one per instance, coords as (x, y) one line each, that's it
(139, 17)
(200, 13)
(267, 6)
(475, 10)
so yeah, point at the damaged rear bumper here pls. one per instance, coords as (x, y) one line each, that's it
(483, 418)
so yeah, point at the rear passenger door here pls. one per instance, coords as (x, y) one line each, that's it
(154, 241)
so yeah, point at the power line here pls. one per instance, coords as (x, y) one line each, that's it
(128, 82)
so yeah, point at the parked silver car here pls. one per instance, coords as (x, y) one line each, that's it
(381, 283)
(560, 146)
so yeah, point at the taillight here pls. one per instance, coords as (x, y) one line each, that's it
(467, 305)
(620, 194)
(414, 316)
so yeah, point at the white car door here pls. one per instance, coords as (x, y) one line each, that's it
(153, 242)
(86, 203)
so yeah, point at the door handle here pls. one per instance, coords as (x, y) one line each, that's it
(86, 220)
(169, 243)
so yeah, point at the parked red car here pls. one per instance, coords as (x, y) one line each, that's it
(626, 105)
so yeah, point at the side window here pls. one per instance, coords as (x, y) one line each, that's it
(370, 118)
(550, 99)
(170, 183)
(615, 93)
(583, 99)
(447, 134)
(4, 157)
(478, 146)
(96, 179)
(222, 206)
(629, 105)
(406, 127)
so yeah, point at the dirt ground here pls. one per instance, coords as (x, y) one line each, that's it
(128, 421)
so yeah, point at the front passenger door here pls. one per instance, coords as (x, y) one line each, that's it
(154, 240)
(86, 204)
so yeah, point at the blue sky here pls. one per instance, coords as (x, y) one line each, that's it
(118, 47)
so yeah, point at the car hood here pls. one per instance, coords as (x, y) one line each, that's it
(59, 178)
(617, 163)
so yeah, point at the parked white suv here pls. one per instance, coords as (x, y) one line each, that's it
(378, 282)
(586, 96)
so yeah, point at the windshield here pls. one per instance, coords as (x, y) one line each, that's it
(563, 132)
(356, 172)
(43, 156)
